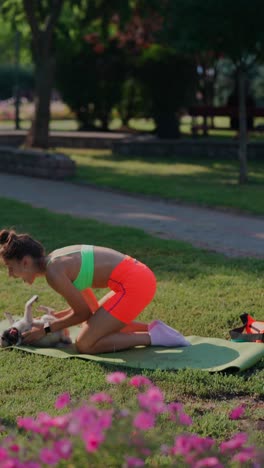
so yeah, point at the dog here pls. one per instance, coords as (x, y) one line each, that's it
(13, 335)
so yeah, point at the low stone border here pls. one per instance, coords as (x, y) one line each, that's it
(60, 139)
(142, 145)
(36, 163)
(190, 148)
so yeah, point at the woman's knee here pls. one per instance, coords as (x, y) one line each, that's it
(84, 344)
(84, 347)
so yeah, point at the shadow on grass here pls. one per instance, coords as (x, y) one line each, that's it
(189, 171)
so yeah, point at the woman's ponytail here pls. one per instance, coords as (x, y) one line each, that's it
(16, 246)
(5, 236)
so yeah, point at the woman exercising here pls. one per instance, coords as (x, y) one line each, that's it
(71, 271)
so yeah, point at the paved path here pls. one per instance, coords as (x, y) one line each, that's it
(231, 234)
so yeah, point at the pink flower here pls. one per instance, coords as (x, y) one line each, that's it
(29, 464)
(105, 419)
(60, 422)
(185, 420)
(236, 413)
(244, 456)
(116, 377)
(235, 443)
(139, 380)
(3, 454)
(63, 448)
(191, 443)
(93, 440)
(152, 400)
(48, 456)
(45, 422)
(155, 394)
(62, 400)
(144, 421)
(209, 461)
(29, 424)
(14, 448)
(11, 463)
(174, 407)
(133, 461)
(101, 397)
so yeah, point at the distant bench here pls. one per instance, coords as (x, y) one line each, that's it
(221, 111)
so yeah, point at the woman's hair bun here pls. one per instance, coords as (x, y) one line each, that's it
(5, 236)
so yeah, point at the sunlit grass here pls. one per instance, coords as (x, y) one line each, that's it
(200, 181)
(66, 122)
(198, 293)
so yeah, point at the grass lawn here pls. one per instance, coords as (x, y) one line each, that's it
(198, 293)
(204, 182)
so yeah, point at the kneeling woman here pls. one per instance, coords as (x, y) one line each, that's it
(71, 271)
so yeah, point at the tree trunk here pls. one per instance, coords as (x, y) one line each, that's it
(243, 171)
(42, 20)
(38, 135)
(167, 124)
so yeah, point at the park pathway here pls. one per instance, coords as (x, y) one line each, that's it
(230, 234)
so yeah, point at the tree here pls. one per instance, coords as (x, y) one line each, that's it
(8, 31)
(42, 17)
(91, 66)
(97, 55)
(169, 81)
(233, 29)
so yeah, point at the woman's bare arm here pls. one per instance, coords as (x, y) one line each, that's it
(79, 308)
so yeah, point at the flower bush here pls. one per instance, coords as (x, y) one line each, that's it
(147, 431)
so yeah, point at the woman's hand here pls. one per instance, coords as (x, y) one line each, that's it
(33, 335)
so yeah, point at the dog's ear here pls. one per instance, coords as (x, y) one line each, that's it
(9, 337)
(9, 317)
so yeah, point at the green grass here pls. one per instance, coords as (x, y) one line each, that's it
(199, 181)
(63, 120)
(198, 293)
(66, 125)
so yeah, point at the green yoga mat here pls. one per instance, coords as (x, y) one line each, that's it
(208, 354)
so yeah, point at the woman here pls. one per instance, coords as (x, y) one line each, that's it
(71, 271)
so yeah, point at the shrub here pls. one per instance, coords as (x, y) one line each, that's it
(98, 432)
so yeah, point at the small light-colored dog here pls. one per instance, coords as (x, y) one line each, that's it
(13, 335)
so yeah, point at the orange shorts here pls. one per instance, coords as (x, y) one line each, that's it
(134, 285)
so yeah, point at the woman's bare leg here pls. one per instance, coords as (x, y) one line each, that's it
(135, 327)
(102, 334)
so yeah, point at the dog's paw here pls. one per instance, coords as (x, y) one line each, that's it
(46, 309)
(9, 317)
(32, 300)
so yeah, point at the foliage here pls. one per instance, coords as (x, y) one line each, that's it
(90, 83)
(169, 80)
(146, 431)
(99, 75)
(8, 38)
(10, 76)
(233, 29)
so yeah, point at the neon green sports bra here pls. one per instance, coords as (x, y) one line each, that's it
(85, 277)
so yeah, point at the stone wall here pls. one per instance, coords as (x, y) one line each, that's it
(36, 163)
(189, 148)
(60, 139)
(142, 145)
